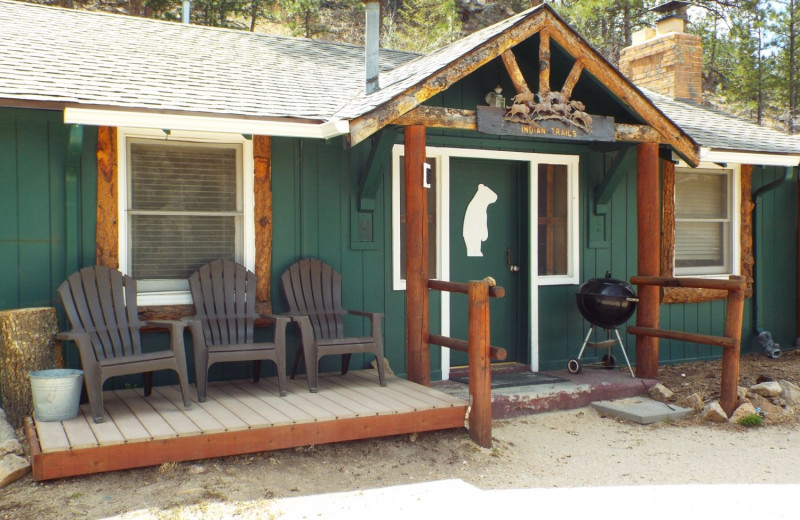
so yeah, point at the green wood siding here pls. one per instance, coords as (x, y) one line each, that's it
(315, 202)
(33, 150)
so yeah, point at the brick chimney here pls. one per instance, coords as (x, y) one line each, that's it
(666, 60)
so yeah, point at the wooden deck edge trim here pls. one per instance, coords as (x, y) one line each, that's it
(48, 466)
(33, 445)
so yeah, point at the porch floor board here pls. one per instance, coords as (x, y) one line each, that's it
(238, 417)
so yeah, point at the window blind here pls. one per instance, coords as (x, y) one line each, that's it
(184, 208)
(702, 220)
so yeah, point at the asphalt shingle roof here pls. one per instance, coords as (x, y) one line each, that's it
(96, 59)
(719, 131)
(68, 56)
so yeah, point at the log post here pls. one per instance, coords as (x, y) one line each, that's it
(480, 374)
(728, 399)
(27, 343)
(544, 62)
(417, 314)
(649, 251)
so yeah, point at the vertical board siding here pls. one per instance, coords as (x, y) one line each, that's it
(314, 189)
(33, 146)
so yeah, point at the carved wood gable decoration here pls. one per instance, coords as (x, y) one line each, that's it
(107, 230)
(546, 113)
(406, 108)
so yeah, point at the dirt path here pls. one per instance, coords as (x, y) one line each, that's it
(560, 449)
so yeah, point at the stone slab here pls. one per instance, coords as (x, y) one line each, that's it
(642, 410)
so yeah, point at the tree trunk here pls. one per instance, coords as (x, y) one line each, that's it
(27, 343)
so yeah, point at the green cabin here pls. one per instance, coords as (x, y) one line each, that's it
(155, 147)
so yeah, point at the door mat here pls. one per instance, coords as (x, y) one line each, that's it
(509, 379)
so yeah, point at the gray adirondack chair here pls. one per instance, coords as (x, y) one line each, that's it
(224, 295)
(101, 306)
(313, 290)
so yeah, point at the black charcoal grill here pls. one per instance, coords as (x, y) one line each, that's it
(605, 303)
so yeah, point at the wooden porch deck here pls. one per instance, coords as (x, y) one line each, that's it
(238, 417)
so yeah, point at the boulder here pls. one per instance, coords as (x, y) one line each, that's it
(790, 392)
(767, 389)
(743, 410)
(694, 401)
(766, 406)
(12, 464)
(741, 393)
(12, 467)
(660, 392)
(713, 412)
(8, 438)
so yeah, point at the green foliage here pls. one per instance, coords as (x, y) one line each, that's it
(751, 420)
(422, 25)
(606, 24)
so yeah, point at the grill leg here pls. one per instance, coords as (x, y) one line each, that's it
(585, 341)
(624, 353)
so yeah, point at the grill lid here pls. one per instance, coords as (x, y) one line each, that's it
(606, 302)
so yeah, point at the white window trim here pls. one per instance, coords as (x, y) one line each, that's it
(736, 219)
(442, 155)
(248, 200)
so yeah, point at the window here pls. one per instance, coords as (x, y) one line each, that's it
(553, 219)
(399, 208)
(182, 204)
(706, 210)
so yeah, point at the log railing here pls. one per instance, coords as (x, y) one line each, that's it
(730, 342)
(479, 351)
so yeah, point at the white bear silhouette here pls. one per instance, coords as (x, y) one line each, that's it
(476, 229)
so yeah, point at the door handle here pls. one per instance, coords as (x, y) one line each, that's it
(509, 265)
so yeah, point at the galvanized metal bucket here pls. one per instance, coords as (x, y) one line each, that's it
(56, 393)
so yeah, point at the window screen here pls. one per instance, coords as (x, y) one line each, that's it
(553, 213)
(184, 209)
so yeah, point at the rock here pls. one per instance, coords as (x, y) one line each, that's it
(12, 467)
(767, 389)
(790, 392)
(766, 405)
(743, 410)
(694, 401)
(386, 368)
(741, 393)
(8, 439)
(713, 412)
(660, 392)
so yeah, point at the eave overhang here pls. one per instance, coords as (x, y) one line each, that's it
(536, 19)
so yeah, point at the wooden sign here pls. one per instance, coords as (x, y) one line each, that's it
(500, 121)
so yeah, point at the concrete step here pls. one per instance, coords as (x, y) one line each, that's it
(577, 390)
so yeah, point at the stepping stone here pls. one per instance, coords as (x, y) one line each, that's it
(642, 410)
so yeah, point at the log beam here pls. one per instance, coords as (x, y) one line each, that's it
(417, 312)
(438, 117)
(572, 79)
(512, 67)
(544, 62)
(262, 191)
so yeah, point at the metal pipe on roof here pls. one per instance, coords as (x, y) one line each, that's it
(187, 11)
(372, 44)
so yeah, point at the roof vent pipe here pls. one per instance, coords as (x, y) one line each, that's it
(372, 44)
(187, 11)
